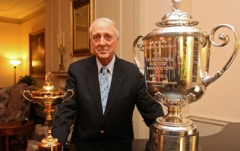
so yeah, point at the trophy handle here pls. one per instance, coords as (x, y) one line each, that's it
(27, 91)
(72, 93)
(138, 46)
(208, 80)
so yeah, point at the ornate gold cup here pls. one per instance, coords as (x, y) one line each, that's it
(176, 64)
(48, 96)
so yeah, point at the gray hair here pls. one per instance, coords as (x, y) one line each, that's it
(104, 19)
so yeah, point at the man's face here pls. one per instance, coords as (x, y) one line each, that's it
(104, 41)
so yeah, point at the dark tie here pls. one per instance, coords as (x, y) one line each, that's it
(104, 87)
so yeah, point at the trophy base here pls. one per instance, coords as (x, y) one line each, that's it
(149, 148)
(50, 143)
(165, 136)
(56, 147)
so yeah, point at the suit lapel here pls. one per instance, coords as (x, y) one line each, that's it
(116, 84)
(93, 83)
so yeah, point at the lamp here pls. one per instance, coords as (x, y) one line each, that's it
(15, 63)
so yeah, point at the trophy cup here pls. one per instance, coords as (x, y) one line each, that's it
(48, 96)
(176, 65)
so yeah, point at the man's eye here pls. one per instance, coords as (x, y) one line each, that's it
(96, 38)
(108, 37)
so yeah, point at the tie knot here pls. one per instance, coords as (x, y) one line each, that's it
(104, 69)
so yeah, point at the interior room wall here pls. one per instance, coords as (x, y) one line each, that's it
(14, 44)
(34, 25)
(221, 100)
(10, 48)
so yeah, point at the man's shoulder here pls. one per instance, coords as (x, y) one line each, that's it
(83, 61)
(126, 64)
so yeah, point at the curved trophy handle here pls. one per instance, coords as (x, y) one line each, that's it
(27, 91)
(140, 47)
(208, 80)
(72, 93)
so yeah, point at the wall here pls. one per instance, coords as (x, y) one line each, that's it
(31, 26)
(10, 48)
(14, 44)
(221, 100)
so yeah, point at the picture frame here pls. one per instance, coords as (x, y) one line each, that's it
(37, 54)
(81, 17)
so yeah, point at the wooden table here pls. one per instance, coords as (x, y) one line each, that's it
(14, 128)
(226, 140)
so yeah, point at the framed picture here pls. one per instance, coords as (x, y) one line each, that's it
(37, 54)
(81, 17)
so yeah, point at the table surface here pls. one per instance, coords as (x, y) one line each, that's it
(12, 128)
(226, 140)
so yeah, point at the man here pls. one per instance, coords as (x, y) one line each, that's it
(96, 119)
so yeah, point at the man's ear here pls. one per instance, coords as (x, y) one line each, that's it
(117, 42)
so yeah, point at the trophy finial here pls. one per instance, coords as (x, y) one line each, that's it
(176, 17)
(48, 85)
(47, 77)
(176, 4)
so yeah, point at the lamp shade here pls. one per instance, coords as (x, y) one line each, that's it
(15, 62)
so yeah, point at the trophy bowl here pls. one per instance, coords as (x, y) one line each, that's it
(176, 66)
(48, 96)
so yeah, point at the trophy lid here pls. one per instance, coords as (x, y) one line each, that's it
(48, 88)
(177, 17)
(48, 85)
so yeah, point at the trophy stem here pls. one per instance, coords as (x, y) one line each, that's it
(49, 143)
(174, 114)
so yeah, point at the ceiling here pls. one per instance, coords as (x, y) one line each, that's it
(19, 11)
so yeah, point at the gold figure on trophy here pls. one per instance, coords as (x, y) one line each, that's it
(48, 96)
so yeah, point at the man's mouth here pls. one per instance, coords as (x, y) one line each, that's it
(102, 51)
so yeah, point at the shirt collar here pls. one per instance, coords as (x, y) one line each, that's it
(109, 66)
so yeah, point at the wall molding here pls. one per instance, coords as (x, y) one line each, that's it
(208, 120)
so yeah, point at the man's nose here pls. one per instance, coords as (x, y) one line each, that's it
(102, 41)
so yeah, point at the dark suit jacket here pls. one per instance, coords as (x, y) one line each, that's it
(127, 90)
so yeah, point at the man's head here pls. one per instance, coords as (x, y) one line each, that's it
(104, 39)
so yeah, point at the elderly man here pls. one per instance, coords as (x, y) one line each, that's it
(103, 114)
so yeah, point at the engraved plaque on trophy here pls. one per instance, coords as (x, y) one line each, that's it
(48, 96)
(176, 65)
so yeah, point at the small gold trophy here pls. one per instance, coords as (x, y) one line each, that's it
(48, 96)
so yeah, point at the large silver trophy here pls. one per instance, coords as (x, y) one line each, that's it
(176, 60)
(48, 96)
